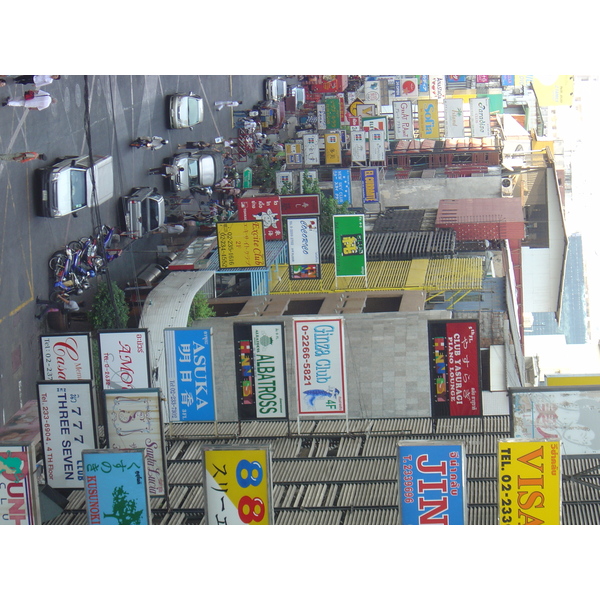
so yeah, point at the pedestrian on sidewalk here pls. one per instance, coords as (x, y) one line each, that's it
(63, 303)
(37, 80)
(165, 170)
(220, 104)
(33, 100)
(194, 146)
(23, 156)
(152, 143)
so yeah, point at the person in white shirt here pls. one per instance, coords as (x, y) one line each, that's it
(39, 100)
(37, 80)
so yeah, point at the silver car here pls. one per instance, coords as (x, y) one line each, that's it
(185, 110)
(196, 169)
(144, 211)
(275, 89)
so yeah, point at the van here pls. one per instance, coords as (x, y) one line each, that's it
(66, 186)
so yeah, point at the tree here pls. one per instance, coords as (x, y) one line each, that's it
(200, 309)
(124, 511)
(329, 206)
(105, 314)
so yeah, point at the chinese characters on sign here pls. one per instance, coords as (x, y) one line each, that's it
(266, 209)
(241, 244)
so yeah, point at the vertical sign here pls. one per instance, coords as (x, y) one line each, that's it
(124, 359)
(529, 482)
(321, 116)
(376, 145)
(67, 428)
(311, 149)
(404, 126)
(237, 485)
(428, 119)
(134, 420)
(332, 113)
(370, 184)
(262, 208)
(437, 86)
(190, 379)
(320, 366)
(409, 86)
(432, 483)
(282, 178)
(342, 187)
(349, 245)
(66, 356)
(260, 371)
(454, 124)
(293, 154)
(116, 491)
(333, 149)
(241, 244)
(358, 146)
(19, 502)
(480, 117)
(303, 248)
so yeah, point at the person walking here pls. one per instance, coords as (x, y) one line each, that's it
(37, 80)
(33, 100)
(63, 303)
(194, 146)
(220, 104)
(165, 170)
(152, 143)
(23, 156)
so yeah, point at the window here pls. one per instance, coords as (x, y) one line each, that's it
(382, 304)
(227, 309)
(304, 307)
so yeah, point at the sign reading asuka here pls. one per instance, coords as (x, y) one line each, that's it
(320, 366)
(349, 245)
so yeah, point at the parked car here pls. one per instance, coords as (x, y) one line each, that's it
(66, 185)
(144, 210)
(185, 110)
(300, 95)
(275, 89)
(200, 169)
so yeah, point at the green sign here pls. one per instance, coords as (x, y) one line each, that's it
(349, 243)
(332, 113)
(247, 178)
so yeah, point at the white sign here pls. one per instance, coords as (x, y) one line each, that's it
(358, 146)
(321, 117)
(437, 86)
(66, 356)
(67, 428)
(303, 241)
(311, 149)
(454, 122)
(480, 117)
(124, 359)
(320, 366)
(404, 124)
(376, 145)
(283, 177)
(311, 176)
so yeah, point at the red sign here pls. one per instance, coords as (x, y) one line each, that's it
(298, 206)
(265, 208)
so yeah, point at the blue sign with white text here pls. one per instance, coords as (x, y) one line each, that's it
(342, 188)
(431, 484)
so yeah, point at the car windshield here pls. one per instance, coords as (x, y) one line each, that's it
(78, 189)
(193, 107)
(150, 214)
(192, 166)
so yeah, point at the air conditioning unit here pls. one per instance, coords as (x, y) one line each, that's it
(507, 187)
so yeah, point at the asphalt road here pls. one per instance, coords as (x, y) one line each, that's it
(120, 109)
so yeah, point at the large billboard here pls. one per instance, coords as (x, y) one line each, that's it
(19, 499)
(266, 209)
(432, 479)
(320, 366)
(116, 491)
(67, 427)
(529, 482)
(237, 485)
(66, 356)
(454, 364)
(241, 244)
(349, 242)
(260, 370)
(303, 248)
(300, 205)
(570, 414)
(134, 420)
(429, 121)
(190, 379)
(124, 359)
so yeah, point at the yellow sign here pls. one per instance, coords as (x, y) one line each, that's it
(429, 122)
(237, 484)
(241, 244)
(559, 380)
(554, 91)
(333, 149)
(529, 481)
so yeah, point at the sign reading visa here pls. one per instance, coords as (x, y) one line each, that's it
(190, 384)
(480, 117)
(124, 359)
(241, 244)
(237, 485)
(134, 420)
(262, 208)
(349, 245)
(67, 426)
(333, 149)
(66, 356)
(404, 125)
(342, 188)
(301, 205)
(432, 483)
(429, 123)
(320, 366)
(19, 499)
(370, 184)
(529, 482)
(115, 486)
(260, 370)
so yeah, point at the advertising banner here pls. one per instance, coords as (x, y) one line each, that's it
(19, 498)
(241, 244)
(409, 86)
(480, 117)
(349, 245)
(437, 86)
(260, 371)
(116, 491)
(570, 414)
(190, 379)
(332, 113)
(67, 427)
(311, 149)
(454, 352)
(529, 482)
(303, 247)
(320, 366)
(429, 122)
(376, 145)
(454, 123)
(370, 184)
(301, 205)
(66, 356)
(237, 485)
(432, 481)
(333, 149)
(358, 146)
(342, 187)
(124, 359)
(293, 154)
(263, 208)
(404, 125)
(134, 420)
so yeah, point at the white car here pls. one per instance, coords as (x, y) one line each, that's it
(144, 211)
(185, 110)
(66, 186)
(275, 89)
(197, 169)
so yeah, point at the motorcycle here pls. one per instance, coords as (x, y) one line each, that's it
(70, 278)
